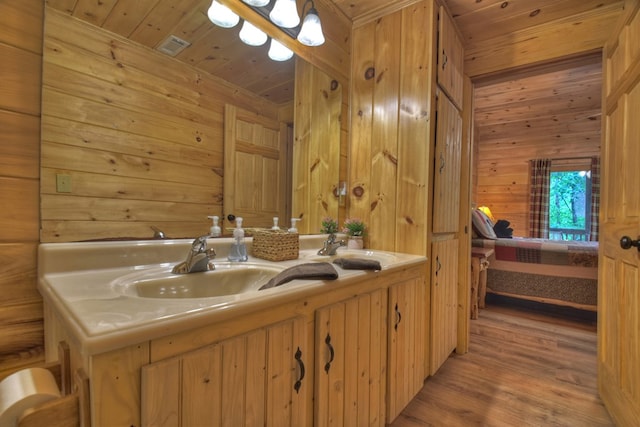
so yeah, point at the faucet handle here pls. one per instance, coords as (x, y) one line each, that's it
(199, 245)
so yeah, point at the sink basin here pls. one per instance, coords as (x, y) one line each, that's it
(227, 279)
(383, 258)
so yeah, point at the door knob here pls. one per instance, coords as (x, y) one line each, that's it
(627, 243)
(231, 217)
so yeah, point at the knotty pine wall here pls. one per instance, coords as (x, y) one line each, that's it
(391, 126)
(21, 334)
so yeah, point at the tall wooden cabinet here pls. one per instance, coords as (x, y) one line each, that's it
(446, 194)
(407, 90)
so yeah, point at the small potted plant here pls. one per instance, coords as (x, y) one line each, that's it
(329, 226)
(355, 229)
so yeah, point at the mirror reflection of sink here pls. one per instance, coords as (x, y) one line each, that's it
(227, 279)
(383, 258)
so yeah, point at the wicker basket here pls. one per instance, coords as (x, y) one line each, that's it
(275, 245)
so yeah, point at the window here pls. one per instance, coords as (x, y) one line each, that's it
(570, 204)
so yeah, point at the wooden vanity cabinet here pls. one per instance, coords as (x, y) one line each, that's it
(249, 380)
(351, 360)
(407, 311)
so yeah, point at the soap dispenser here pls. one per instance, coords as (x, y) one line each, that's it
(215, 231)
(275, 224)
(294, 228)
(238, 251)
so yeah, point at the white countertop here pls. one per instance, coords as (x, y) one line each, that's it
(80, 282)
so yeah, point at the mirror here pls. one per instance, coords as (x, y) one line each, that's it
(132, 138)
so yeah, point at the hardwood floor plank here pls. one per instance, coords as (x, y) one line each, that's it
(524, 368)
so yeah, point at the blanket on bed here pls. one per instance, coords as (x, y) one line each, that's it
(542, 251)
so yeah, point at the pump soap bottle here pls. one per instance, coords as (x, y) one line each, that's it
(215, 231)
(238, 251)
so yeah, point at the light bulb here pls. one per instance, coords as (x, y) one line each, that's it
(222, 16)
(256, 3)
(279, 52)
(252, 35)
(285, 14)
(311, 31)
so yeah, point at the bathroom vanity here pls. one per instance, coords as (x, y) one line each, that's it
(349, 351)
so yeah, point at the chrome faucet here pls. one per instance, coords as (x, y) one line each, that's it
(198, 259)
(330, 246)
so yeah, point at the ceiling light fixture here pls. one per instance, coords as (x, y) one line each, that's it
(279, 52)
(285, 14)
(222, 16)
(311, 31)
(252, 35)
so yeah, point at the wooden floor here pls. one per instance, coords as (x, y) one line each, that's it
(523, 369)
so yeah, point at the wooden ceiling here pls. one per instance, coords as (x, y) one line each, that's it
(220, 52)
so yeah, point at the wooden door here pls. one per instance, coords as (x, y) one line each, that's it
(444, 301)
(351, 360)
(618, 277)
(446, 183)
(407, 352)
(255, 168)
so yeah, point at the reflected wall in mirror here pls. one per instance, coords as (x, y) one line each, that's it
(131, 137)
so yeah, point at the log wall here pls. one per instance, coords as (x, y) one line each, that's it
(21, 336)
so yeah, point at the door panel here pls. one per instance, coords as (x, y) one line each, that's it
(619, 278)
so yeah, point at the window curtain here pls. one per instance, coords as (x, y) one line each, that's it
(539, 178)
(595, 199)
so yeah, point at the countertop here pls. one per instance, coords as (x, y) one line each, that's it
(81, 282)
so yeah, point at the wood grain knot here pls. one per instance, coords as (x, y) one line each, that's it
(358, 191)
(334, 85)
(370, 73)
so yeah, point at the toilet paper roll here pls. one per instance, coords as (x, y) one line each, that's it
(23, 390)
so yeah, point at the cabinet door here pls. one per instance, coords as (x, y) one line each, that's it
(407, 311)
(444, 301)
(446, 183)
(253, 379)
(350, 373)
(450, 58)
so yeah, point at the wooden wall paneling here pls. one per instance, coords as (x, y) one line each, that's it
(21, 71)
(20, 148)
(21, 317)
(384, 138)
(578, 34)
(362, 88)
(18, 16)
(415, 128)
(317, 147)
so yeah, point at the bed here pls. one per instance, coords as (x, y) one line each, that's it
(549, 271)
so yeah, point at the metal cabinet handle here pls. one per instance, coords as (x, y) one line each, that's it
(445, 58)
(627, 243)
(398, 317)
(298, 357)
(327, 365)
(438, 265)
(442, 163)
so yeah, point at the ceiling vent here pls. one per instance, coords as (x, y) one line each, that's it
(173, 45)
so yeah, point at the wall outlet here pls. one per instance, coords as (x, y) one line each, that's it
(63, 183)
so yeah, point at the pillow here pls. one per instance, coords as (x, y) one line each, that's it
(483, 225)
